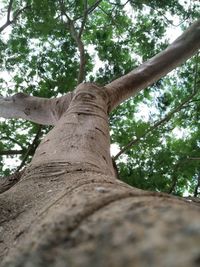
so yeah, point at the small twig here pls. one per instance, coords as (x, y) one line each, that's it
(15, 17)
(11, 152)
(77, 38)
(168, 20)
(151, 128)
(196, 190)
(31, 148)
(174, 178)
(165, 119)
(13, 140)
(90, 9)
(121, 5)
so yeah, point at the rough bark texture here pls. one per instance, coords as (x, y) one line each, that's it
(37, 109)
(70, 210)
(90, 219)
(184, 47)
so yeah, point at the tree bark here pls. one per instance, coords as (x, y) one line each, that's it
(90, 219)
(69, 209)
(184, 47)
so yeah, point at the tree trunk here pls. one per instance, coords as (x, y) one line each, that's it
(70, 210)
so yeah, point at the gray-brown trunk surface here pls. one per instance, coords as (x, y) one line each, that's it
(70, 210)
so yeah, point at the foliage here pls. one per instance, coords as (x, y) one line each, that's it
(40, 56)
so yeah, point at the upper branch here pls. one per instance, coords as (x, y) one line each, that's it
(84, 19)
(77, 38)
(150, 71)
(91, 8)
(76, 35)
(15, 17)
(9, 10)
(40, 110)
(188, 99)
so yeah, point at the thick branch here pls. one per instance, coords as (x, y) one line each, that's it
(167, 117)
(155, 68)
(40, 110)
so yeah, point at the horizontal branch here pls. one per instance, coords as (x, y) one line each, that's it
(40, 110)
(11, 152)
(152, 70)
(13, 140)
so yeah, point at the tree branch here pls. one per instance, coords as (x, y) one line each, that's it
(84, 19)
(9, 10)
(31, 149)
(155, 125)
(120, 5)
(40, 110)
(197, 186)
(174, 178)
(13, 140)
(155, 68)
(76, 35)
(77, 39)
(90, 9)
(9, 181)
(17, 14)
(11, 152)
